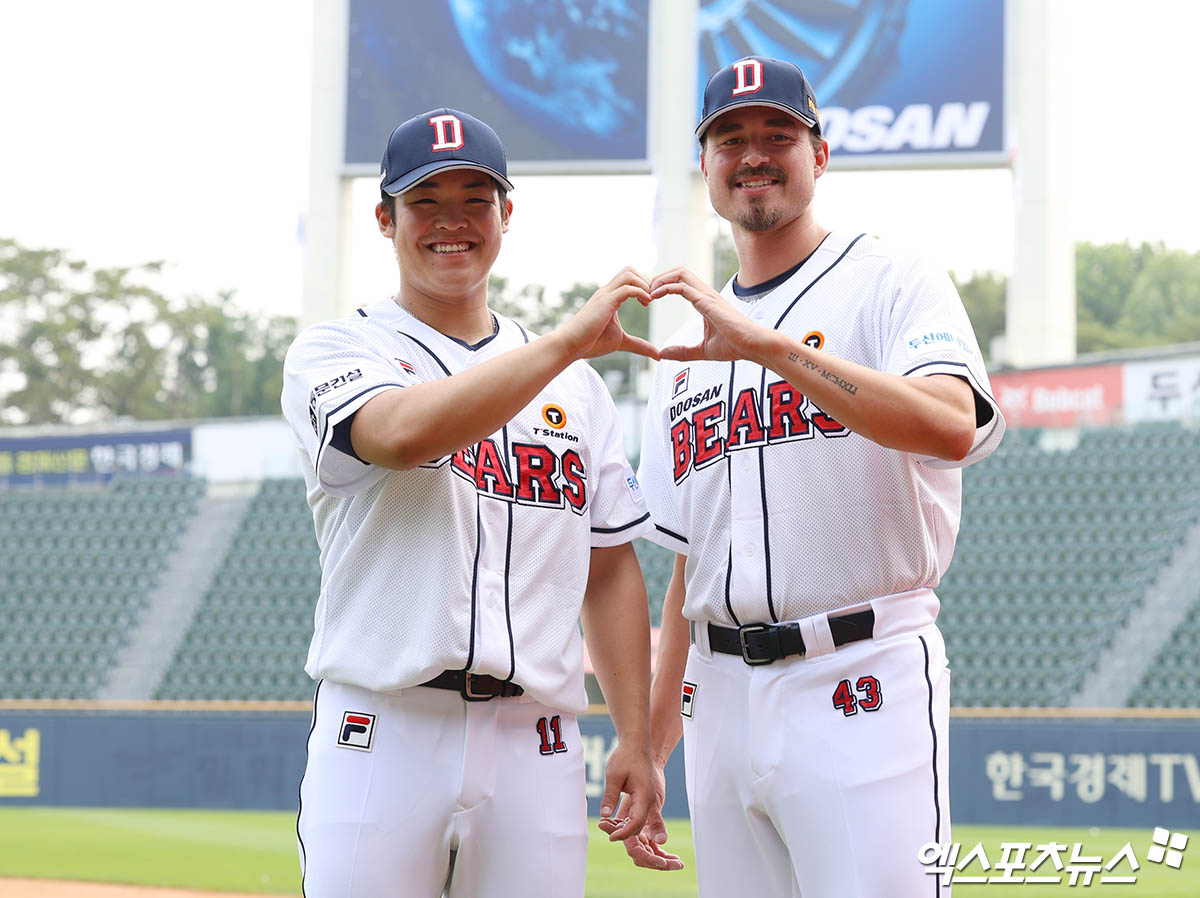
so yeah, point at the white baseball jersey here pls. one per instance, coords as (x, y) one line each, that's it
(477, 561)
(783, 512)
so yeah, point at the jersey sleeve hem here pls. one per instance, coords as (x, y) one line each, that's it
(602, 537)
(668, 539)
(987, 434)
(339, 474)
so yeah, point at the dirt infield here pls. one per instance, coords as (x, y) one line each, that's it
(57, 888)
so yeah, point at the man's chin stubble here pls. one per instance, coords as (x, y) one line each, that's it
(759, 218)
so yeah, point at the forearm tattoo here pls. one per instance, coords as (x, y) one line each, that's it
(825, 373)
(841, 382)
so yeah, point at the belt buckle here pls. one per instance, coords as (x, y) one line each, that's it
(470, 695)
(752, 628)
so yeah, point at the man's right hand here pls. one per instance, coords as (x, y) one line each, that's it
(595, 329)
(646, 846)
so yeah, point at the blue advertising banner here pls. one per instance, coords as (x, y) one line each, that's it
(202, 759)
(565, 83)
(561, 81)
(1128, 772)
(89, 458)
(1073, 772)
(918, 79)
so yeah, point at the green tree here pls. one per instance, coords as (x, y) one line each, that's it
(1104, 276)
(1163, 305)
(725, 260)
(983, 296)
(92, 344)
(541, 312)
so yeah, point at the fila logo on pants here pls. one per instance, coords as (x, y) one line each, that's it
(357, 730)
(687, 698)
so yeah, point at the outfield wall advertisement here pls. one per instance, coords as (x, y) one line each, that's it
(1161, 389)
(86, 458)
(1129, 772)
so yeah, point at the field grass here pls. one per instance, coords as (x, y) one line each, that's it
(253, 851)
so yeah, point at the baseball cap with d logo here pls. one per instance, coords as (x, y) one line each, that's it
(440, 140)
(760, 81)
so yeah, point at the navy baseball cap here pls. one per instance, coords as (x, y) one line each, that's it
(760, 81)
(440, 140)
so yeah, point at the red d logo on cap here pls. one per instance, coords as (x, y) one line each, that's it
(448, 129)
(749, 76)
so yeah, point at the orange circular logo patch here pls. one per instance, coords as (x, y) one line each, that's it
(554, 416)
(814, 339)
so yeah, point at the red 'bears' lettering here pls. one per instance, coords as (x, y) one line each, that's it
(574, 487)
(709, 444)
(535, 465)
(786, 417)
(464, 461)
(489, 467)
(699, 440)
(681, 447)
(745, 418)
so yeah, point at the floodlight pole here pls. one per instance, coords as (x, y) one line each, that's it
(682, 213)
(327, 243)
(1040, 314)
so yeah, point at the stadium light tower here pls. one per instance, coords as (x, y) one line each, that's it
(1040, 315)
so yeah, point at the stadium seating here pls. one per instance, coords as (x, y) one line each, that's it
(1173, 679)
(78, 567)
(1061, 537)
(249, 638)
(1057, 546)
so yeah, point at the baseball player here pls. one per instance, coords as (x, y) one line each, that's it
(802, 453)
(472, 502)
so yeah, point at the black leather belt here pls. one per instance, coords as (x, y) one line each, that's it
(474, 687)
(765, 643)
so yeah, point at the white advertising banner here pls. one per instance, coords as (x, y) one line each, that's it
(1164, 389)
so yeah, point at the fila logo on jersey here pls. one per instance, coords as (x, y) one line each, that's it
(781, 415)
(406, 366)
(534, 476)
(681, 382)
(357, 730)
(449, 131)
(749, 76)
(687, 698)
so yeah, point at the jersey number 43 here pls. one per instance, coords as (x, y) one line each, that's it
(868, 688)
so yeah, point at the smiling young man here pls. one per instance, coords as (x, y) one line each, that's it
(472, 503)
(802, 456)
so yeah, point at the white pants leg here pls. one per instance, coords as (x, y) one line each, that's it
(792, 796)
(442, 775)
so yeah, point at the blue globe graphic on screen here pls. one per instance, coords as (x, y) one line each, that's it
(844, 47)
(563, 64)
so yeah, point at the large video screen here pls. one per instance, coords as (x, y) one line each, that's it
(561, 81)
(565, 82)
(912, 78)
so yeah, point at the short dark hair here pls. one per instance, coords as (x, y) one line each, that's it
(389, 202)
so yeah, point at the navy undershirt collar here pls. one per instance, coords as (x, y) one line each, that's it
(484, 342)
(769, 285)
(471, 346)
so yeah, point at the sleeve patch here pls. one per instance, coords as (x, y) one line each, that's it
(635, 488)
(927, 340)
